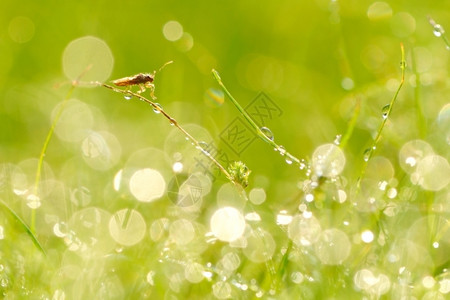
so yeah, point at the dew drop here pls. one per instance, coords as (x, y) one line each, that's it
(337, 139)
(283, 218)
(267, 132)
(367, 154)
(289, 158)
(127, 97)
(385, 111)
(157, 111)
(302, 164)
(297, 277)
(33, 201)
(282, 150)
(438, 30)
(203, 146)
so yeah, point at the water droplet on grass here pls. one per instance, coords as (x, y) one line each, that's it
(127, 97)
(203, 146)
(283, 218)
(367, 154)
(227, 224)
(337, 139)
(289, 158)
(33, 201)
(328, 160)
(221, 289)
(438, 30)
(385, 111)
(281, 149)
(157, 111)
(267, 132)
(297, 277)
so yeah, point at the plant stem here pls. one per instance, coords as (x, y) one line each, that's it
(25, 227)
(44, 150)
(252, 123)
(173, 122)
(386, 115)
(352, 123)
(439, 31)
(421, 123)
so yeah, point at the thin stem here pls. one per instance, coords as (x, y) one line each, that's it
(439, 31)
(25, 227)
(47, 141)
(172, 121)
(386, 115)
(252, 123)
(44, 150)
(421, 123)
(352, 124)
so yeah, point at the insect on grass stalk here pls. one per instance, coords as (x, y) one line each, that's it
(173, 122)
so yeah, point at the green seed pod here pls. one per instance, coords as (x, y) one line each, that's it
(239, 173)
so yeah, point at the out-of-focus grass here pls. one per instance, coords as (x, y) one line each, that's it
(321, 62)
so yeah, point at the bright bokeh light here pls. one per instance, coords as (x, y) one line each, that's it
(182, 231)
(21, 29)
(328, 160)
(158, 229)
(172, 31)
(304, 231)
(228, 195)
(221, 290)
(227, 224)
(127, 227)
(89, 58)
(367, 236)
(428, 282)
(257, 196)
(101, 150)
(412, 152)
(230, 261)
(375, 285)
(403, 24)
(147, 185)
(379, 168)
(260, 246)
(75, 121)
(433, 173)
(283, 218)
(89, 235)
(185, 43)
(177, 167)
(379, 11)
(193, 272)
(333, 247)
(118, 180)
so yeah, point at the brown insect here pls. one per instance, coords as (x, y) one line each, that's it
(143, 80)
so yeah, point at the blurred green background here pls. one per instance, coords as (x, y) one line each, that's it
(298, 52)
(316, 60)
